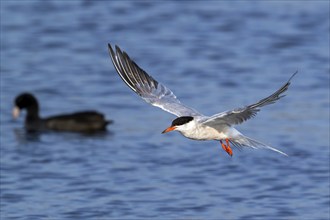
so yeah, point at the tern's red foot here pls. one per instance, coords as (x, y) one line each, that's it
(227, 147)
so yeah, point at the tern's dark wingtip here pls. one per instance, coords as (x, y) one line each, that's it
(111, 52)
(295, 73)
(117, 49)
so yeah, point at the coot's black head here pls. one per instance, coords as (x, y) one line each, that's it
(177, 122)
(27, 101)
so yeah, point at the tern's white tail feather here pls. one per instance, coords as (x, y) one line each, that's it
(242, 141)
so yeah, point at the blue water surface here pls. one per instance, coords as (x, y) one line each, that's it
(215, 56)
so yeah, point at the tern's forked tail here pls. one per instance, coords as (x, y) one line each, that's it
(243, 141)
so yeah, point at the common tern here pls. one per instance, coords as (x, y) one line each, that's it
(189, 122)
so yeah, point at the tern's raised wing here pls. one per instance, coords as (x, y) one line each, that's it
(147, 87)
(239, 115)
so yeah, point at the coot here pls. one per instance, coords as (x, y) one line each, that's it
(86, 121)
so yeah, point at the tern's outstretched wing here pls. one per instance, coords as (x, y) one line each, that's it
(147, 87)
(239, 115)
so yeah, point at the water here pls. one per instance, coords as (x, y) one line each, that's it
(214, 55)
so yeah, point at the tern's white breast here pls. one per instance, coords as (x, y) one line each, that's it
(198, 131)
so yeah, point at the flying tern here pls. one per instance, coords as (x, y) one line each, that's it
(189, 122)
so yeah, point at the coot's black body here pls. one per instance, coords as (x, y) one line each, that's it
(86, 121)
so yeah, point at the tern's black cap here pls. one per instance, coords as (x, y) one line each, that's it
(182, 120)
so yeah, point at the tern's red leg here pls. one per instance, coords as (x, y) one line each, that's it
(226, 147)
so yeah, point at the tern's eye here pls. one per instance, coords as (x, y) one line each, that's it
(182, 120)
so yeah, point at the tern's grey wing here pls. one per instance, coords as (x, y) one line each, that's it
(239, 115)
(147, 87)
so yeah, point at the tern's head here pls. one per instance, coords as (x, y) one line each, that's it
(180, 123)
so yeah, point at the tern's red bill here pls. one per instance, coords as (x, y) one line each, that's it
(171, 128)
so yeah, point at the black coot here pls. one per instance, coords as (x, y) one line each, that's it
(86, 121)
